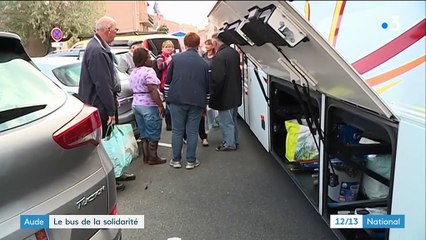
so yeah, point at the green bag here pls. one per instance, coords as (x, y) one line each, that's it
(121, 147)
(300, 143)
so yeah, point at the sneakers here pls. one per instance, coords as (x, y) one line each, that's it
(193, 165)
(223, 148)
(175, 164)
(204, 142)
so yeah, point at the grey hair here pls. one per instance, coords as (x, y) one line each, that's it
(104, 23)
(215, 36)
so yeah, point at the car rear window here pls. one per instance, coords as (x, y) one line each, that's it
(25, 93)
(155, 45)
(69, 74)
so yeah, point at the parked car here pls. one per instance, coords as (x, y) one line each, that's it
(78, 53)
(150, 40)
(65, 71)
(50, 154)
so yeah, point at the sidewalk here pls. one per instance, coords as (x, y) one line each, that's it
(232, 195)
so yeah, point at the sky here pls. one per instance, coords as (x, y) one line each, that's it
(190, 12)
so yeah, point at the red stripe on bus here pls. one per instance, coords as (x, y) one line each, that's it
(391, 49)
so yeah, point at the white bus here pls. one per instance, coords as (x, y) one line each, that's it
(352, 74)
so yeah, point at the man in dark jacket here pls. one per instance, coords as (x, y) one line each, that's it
(99, 84)
(226, 92)
(186, 91)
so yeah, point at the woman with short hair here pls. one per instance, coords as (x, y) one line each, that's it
(163, 62)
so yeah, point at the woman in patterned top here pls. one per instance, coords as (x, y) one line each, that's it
(147, 105)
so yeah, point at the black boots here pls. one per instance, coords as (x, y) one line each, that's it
(144, 150)
(149, 152)
(153, 157)
(126, 177)
(119, 186)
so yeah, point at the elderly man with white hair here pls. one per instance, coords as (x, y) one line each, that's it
(99, 84)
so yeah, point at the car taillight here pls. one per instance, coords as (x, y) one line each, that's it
(85, 128)
(114, 210)
(40, 235)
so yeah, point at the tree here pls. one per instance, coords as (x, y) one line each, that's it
(35, 19)
(163, 28)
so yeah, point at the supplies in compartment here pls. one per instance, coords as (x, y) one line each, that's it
(348, 179)
(300, 143)
(348, 134)
(380, 164)
(371, 211)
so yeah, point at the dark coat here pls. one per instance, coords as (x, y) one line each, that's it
(187, 80)
(98, 79)
(226, 82)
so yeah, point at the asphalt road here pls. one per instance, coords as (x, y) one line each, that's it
(232, 195)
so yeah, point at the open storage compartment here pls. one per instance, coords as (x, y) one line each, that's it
(285, 106)
(360, 149)
(353, 169)
(358, 157)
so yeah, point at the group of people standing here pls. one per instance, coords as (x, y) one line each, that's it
(188, 82)
(192, 83)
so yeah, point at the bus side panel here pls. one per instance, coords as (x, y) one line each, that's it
(258, 107)
(409, 181)
(366, 27)
(243, 109)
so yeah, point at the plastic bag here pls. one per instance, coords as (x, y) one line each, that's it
(121, 147)
(211, 119)
(372, 188)
(129, 140)
(300, 144)
(380, 164)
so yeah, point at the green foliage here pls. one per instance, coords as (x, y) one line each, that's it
(37, 18)
(163, 28)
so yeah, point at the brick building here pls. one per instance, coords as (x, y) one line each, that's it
(133, 16)
(130, 15)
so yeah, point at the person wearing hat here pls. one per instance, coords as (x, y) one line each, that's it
(125, 63)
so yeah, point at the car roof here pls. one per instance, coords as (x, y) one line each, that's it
(55, 61)
(121, 38)
(146, 36)
(9, 35)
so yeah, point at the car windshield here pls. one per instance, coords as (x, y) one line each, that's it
(25, 94)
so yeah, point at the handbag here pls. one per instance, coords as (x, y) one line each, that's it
(121, 147)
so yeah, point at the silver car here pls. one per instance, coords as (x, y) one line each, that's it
(51, 161)
(65, 71)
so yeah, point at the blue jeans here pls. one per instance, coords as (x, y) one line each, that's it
(185, 117)
(229, 126)
(149, 122)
